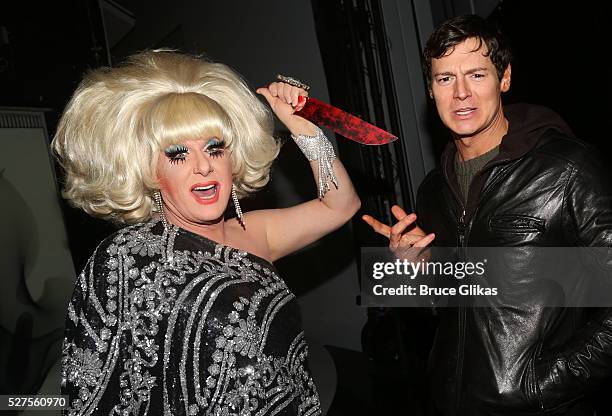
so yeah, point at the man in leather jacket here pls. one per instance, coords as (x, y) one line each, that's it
(513, 176)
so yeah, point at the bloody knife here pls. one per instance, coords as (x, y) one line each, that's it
(343, 123)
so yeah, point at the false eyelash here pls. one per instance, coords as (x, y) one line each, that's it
(176, 153)
(175, 149)
(178, 158)
(216, 147)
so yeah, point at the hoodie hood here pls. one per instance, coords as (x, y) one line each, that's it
(526, 124)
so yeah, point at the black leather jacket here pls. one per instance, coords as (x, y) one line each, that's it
(543, 189)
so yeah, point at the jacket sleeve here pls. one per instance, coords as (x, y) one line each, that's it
(586, 361)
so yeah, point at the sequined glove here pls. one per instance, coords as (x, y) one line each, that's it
(318, 148)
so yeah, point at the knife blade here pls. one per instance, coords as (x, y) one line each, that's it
(343, 123)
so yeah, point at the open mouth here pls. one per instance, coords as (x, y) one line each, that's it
(465, 111)
(206, 193)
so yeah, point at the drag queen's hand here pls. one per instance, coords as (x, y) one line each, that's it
(285, 100)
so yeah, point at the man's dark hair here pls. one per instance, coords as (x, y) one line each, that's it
(454, 31)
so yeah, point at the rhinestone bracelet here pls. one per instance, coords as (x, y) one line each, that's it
(318, 148)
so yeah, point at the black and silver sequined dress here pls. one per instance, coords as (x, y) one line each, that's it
(171, 323)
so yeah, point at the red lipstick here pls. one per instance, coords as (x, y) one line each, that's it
(206, 193)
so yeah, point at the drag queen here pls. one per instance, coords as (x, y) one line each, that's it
(181, 312)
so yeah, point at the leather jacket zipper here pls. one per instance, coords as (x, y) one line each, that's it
(459, 369)
(461, 233)
(461, 228)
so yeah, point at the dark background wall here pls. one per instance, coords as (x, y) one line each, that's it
(560, 49)
(559, 53)
(46, 49)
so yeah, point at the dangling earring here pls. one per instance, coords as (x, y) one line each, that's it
(160, 207)
(237, 206)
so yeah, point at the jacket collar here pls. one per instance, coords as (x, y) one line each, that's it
(526, 125)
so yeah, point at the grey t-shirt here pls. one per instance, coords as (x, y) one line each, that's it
(467, 170)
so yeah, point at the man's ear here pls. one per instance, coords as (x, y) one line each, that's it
(505, 81)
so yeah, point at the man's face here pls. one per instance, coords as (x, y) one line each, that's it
(195, 180)
(467, 91)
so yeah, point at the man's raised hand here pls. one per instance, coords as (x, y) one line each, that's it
(404, 234)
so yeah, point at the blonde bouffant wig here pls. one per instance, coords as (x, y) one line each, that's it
(119, 119)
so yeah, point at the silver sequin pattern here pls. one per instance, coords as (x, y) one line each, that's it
(164, 322)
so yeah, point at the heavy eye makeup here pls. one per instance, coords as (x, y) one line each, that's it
(176, 153)
(215, 147)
